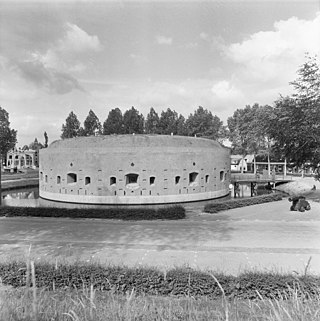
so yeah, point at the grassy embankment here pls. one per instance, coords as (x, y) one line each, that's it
(27, 178)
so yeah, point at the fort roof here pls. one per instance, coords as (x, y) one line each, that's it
(135, 141)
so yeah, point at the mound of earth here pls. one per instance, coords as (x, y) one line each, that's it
(296, 188)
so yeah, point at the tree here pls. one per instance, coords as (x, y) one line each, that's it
(296, 125)
(71, 128)
(8, 136)
(45, 140)
(203, 124)
(168, 122)
(181, 126)
(133, 122)
(114, 123)
(248, 131)
(152, 122)
(92, 125)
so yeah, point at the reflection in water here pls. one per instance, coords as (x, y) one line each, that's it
(30, 197)
(21, 197)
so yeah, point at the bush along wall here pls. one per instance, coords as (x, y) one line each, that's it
(164, 213)
(175, 282)
(241, 202)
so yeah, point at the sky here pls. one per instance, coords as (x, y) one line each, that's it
(63, 56)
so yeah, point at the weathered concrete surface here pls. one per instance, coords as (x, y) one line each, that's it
(265, 237)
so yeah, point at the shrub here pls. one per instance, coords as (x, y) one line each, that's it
(240, 202)
(165, 213)
(150, 281)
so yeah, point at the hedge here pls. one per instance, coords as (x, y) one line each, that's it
(150, 281)
(164, 213)
(241, 202)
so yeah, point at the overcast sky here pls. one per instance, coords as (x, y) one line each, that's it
(61, 56)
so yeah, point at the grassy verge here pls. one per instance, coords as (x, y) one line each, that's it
(61, 292)
(165, 213)
(241, 202)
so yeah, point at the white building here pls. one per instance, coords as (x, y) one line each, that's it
(19, 159)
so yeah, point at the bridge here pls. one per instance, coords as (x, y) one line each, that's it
(255, 180)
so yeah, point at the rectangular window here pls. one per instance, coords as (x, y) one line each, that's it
(87, 180)
(152, 180)
(58, 179)
(71, 178)
(131, 178)
(113, 180)
(193, 178)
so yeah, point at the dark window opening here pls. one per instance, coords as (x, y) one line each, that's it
(71, 178)
(207, 178)
(41, 175)
(113, 180)
(221, 176)
(177, 179)
(193, 178)
(131, 179)
(87, 180)
(152, 180)
(58, 179)
(46, 178)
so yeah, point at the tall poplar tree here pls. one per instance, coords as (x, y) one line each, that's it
(114, 123)
(91, 125)
(72, 126)
(152, 122)
(133, 122)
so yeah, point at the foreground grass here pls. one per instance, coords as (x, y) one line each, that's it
(87, 304)
(42, 292)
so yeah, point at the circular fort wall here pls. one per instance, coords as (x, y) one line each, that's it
(134, 169)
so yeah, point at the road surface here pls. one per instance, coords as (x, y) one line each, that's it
(266, 237)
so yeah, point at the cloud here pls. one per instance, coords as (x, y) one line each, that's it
(204, 36)
(224, 90)
(71, 52)
(55, 68)
(78, 40)
(162, 40)
(53, 81)
(274, 56)
(191, 45)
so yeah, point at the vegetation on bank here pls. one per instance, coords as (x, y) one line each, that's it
(174, 212)
(180, 282)
(90, 305)
(241, 202)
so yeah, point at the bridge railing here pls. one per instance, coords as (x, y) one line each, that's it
(259, 177)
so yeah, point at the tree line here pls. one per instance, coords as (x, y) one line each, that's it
(290, 128)
(201, 123)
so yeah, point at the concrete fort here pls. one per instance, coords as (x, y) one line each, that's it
(134, 170)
